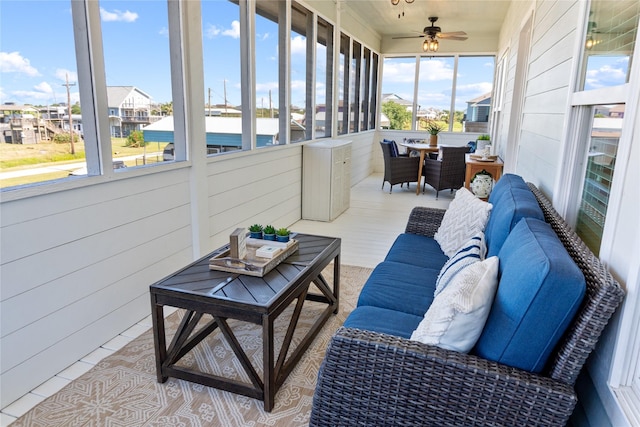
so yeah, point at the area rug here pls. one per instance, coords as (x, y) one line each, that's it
(122, 390)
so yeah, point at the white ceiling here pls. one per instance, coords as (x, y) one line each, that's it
(478, 18)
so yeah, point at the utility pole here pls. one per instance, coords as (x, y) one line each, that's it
(209, 103)
(225, 96)
(270, 105)
(67, 84)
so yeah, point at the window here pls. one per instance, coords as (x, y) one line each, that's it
(301, 23)
(39, 91)
(600, 163)
(435, 86)
(609, 42)
(221, 45)
(474, 91)
(135, 96)
(373, 103)
(324, 79)
(267, 73)
(365, 87)
(398, 82)
(343, 84)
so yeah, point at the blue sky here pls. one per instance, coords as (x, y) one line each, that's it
(37, 53)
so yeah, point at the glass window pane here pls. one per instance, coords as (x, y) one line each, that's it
(474, 88)
(601, 161)
(435, 85)
(301, 18)
(324, 77)
(139, 86)
(354, 91)
(221, 45)
(39, 81)
(343, 85)
(364, 89)
(373, 90)
(398, 78)
(609, 43)
(267, 76)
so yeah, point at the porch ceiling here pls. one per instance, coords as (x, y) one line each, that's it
(478, 18)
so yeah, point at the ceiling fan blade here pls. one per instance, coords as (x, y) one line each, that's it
(408, 37)
(462, 38)
(452, 33)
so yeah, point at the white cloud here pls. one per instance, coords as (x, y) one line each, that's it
(605, 76)
(211, 31)
(62, 73)
(117, 16)
(435, 70)
(164, 31)
(298, 45)
(44, 87)
(15, 63)
(474, 89)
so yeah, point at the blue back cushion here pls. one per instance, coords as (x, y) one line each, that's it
(511, 202)
(393, 146)
(539, 292)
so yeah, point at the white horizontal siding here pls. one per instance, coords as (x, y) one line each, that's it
(76, 267)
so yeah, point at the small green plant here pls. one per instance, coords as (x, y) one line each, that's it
(255, 228)
(433, 128)
(135, 139)
(269, 230)
(282, 231)
(484, 138)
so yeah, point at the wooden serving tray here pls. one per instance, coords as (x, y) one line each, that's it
(482, 159)
(251, 264)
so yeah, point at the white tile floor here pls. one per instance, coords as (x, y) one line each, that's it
(367, 228)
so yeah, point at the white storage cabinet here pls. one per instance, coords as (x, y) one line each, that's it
(326, 179)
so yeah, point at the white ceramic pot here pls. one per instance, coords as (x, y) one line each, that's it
(482, 184)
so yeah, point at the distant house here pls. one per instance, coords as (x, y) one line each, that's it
(477, 116)
(129, 110)
(224, 133)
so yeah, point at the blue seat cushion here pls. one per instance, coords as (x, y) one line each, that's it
(540, 289)
(382, 320)
(400, 287)
(510, 205)
(417, 250)
(506, 182)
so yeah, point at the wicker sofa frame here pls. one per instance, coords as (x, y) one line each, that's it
(372, 379)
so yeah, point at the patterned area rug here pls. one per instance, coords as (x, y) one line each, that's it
(122, 389)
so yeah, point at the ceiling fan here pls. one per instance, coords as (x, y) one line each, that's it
(433, 33)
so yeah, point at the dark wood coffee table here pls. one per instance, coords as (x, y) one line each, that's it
(259, 300)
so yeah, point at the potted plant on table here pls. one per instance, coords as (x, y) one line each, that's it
(269, 233)
(481, 142)
(282, 234)
(434, 129)
(255, 231)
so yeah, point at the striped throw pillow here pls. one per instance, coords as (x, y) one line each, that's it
(473, 251)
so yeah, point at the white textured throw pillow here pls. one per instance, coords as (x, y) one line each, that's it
(475, 250)
(466, 216)
(457, 315)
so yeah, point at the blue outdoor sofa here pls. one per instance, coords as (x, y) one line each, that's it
(553, 300)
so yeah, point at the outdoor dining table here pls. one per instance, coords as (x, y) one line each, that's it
(423, 148)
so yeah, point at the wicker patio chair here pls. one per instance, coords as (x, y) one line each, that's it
(446, 173)
(399, 169)
(373, 379)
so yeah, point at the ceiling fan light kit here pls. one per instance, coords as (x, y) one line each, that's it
(432, 34)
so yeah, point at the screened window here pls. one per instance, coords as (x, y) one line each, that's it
(221, 45)
(398, 82)
(301, 83)
(343, 84)
(355, 92)
(39, 90)
(435, 86)
(137, 97)
(474, 92)
(324, 79)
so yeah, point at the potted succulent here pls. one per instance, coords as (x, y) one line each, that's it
(434, 129)
(255, 231)
(269, 233)
(282, 234)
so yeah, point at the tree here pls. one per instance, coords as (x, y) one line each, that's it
(399, 117)
(135, 139)
(75, 108)
(167, 108)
